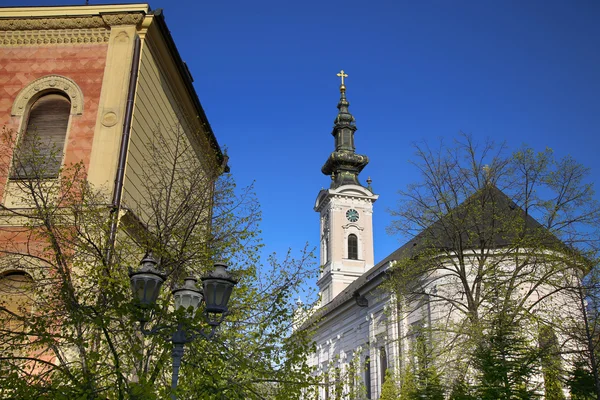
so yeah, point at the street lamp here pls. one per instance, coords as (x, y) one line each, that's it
(217, 288)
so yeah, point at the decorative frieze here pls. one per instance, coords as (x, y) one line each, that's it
(123, 19)
(54, 37)
(88, 22)
(22, 24)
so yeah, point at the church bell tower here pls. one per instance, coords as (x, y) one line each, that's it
(346, 210)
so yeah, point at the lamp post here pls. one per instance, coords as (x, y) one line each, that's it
(217, 287)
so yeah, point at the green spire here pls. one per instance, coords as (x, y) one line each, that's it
(344, 165)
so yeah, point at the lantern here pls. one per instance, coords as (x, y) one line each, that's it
(218, 286)
(187, 295)
(146, 282)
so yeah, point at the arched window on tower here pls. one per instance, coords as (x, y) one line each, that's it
(16, 298)
(352, 247)
(39, 152)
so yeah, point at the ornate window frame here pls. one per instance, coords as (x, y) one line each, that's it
(38, 87)
(20, 109)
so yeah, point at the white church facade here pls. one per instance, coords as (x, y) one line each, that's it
(362, 328)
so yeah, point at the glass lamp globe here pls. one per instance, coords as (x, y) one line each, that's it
(187, 295)
(218, 286)
(146, 282)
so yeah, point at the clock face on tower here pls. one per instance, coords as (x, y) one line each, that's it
(352, 215)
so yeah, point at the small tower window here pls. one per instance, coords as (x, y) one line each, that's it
(352, 247)
(40, 150)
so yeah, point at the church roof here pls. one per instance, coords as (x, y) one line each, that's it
(436, 237)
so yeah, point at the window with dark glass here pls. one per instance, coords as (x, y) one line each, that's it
(368, 376)
(39, 152)
(352, 247)
(382, 363)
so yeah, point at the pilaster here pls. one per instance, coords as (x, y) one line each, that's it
(113, 98)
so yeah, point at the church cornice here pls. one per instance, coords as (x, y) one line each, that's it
(54, 37)
(103, 20)
(28, 24)
(47, 30)
(348, 192)
(43, 27)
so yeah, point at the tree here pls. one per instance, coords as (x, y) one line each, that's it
(505, 361)
(77, 334)
(494, 236)
(389, 390)
(421, 378)
(581, 383)
(585, 330)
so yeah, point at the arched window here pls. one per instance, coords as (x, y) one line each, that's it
(40, 149)
(352, 247)
(368, 376)
(16, 297)
(382, 363)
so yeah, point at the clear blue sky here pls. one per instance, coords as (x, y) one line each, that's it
(265, 71)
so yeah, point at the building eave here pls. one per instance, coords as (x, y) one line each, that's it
(70, 11)
(188, 82)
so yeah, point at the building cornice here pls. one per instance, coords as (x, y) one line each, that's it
(54, 37)
(18, 19)
(18, 12)
(104, 20)
(31, 23)
(64, 25)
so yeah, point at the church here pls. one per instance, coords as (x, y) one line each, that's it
(368, 322)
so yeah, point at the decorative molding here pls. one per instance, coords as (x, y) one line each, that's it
(29, 24)
(56, 82)
(123, 19)
(102, 22)
(352, 225)
(54, 37)
(94, 21)
(109, 119)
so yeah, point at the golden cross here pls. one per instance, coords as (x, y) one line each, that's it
(342, 75)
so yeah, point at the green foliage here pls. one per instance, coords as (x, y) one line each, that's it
(77, 335)
(409, 389)
(489, 272)
(461, 390)
(505, 361)
(551, 364)
(389, 390)
(581, 383)
(421, 378)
